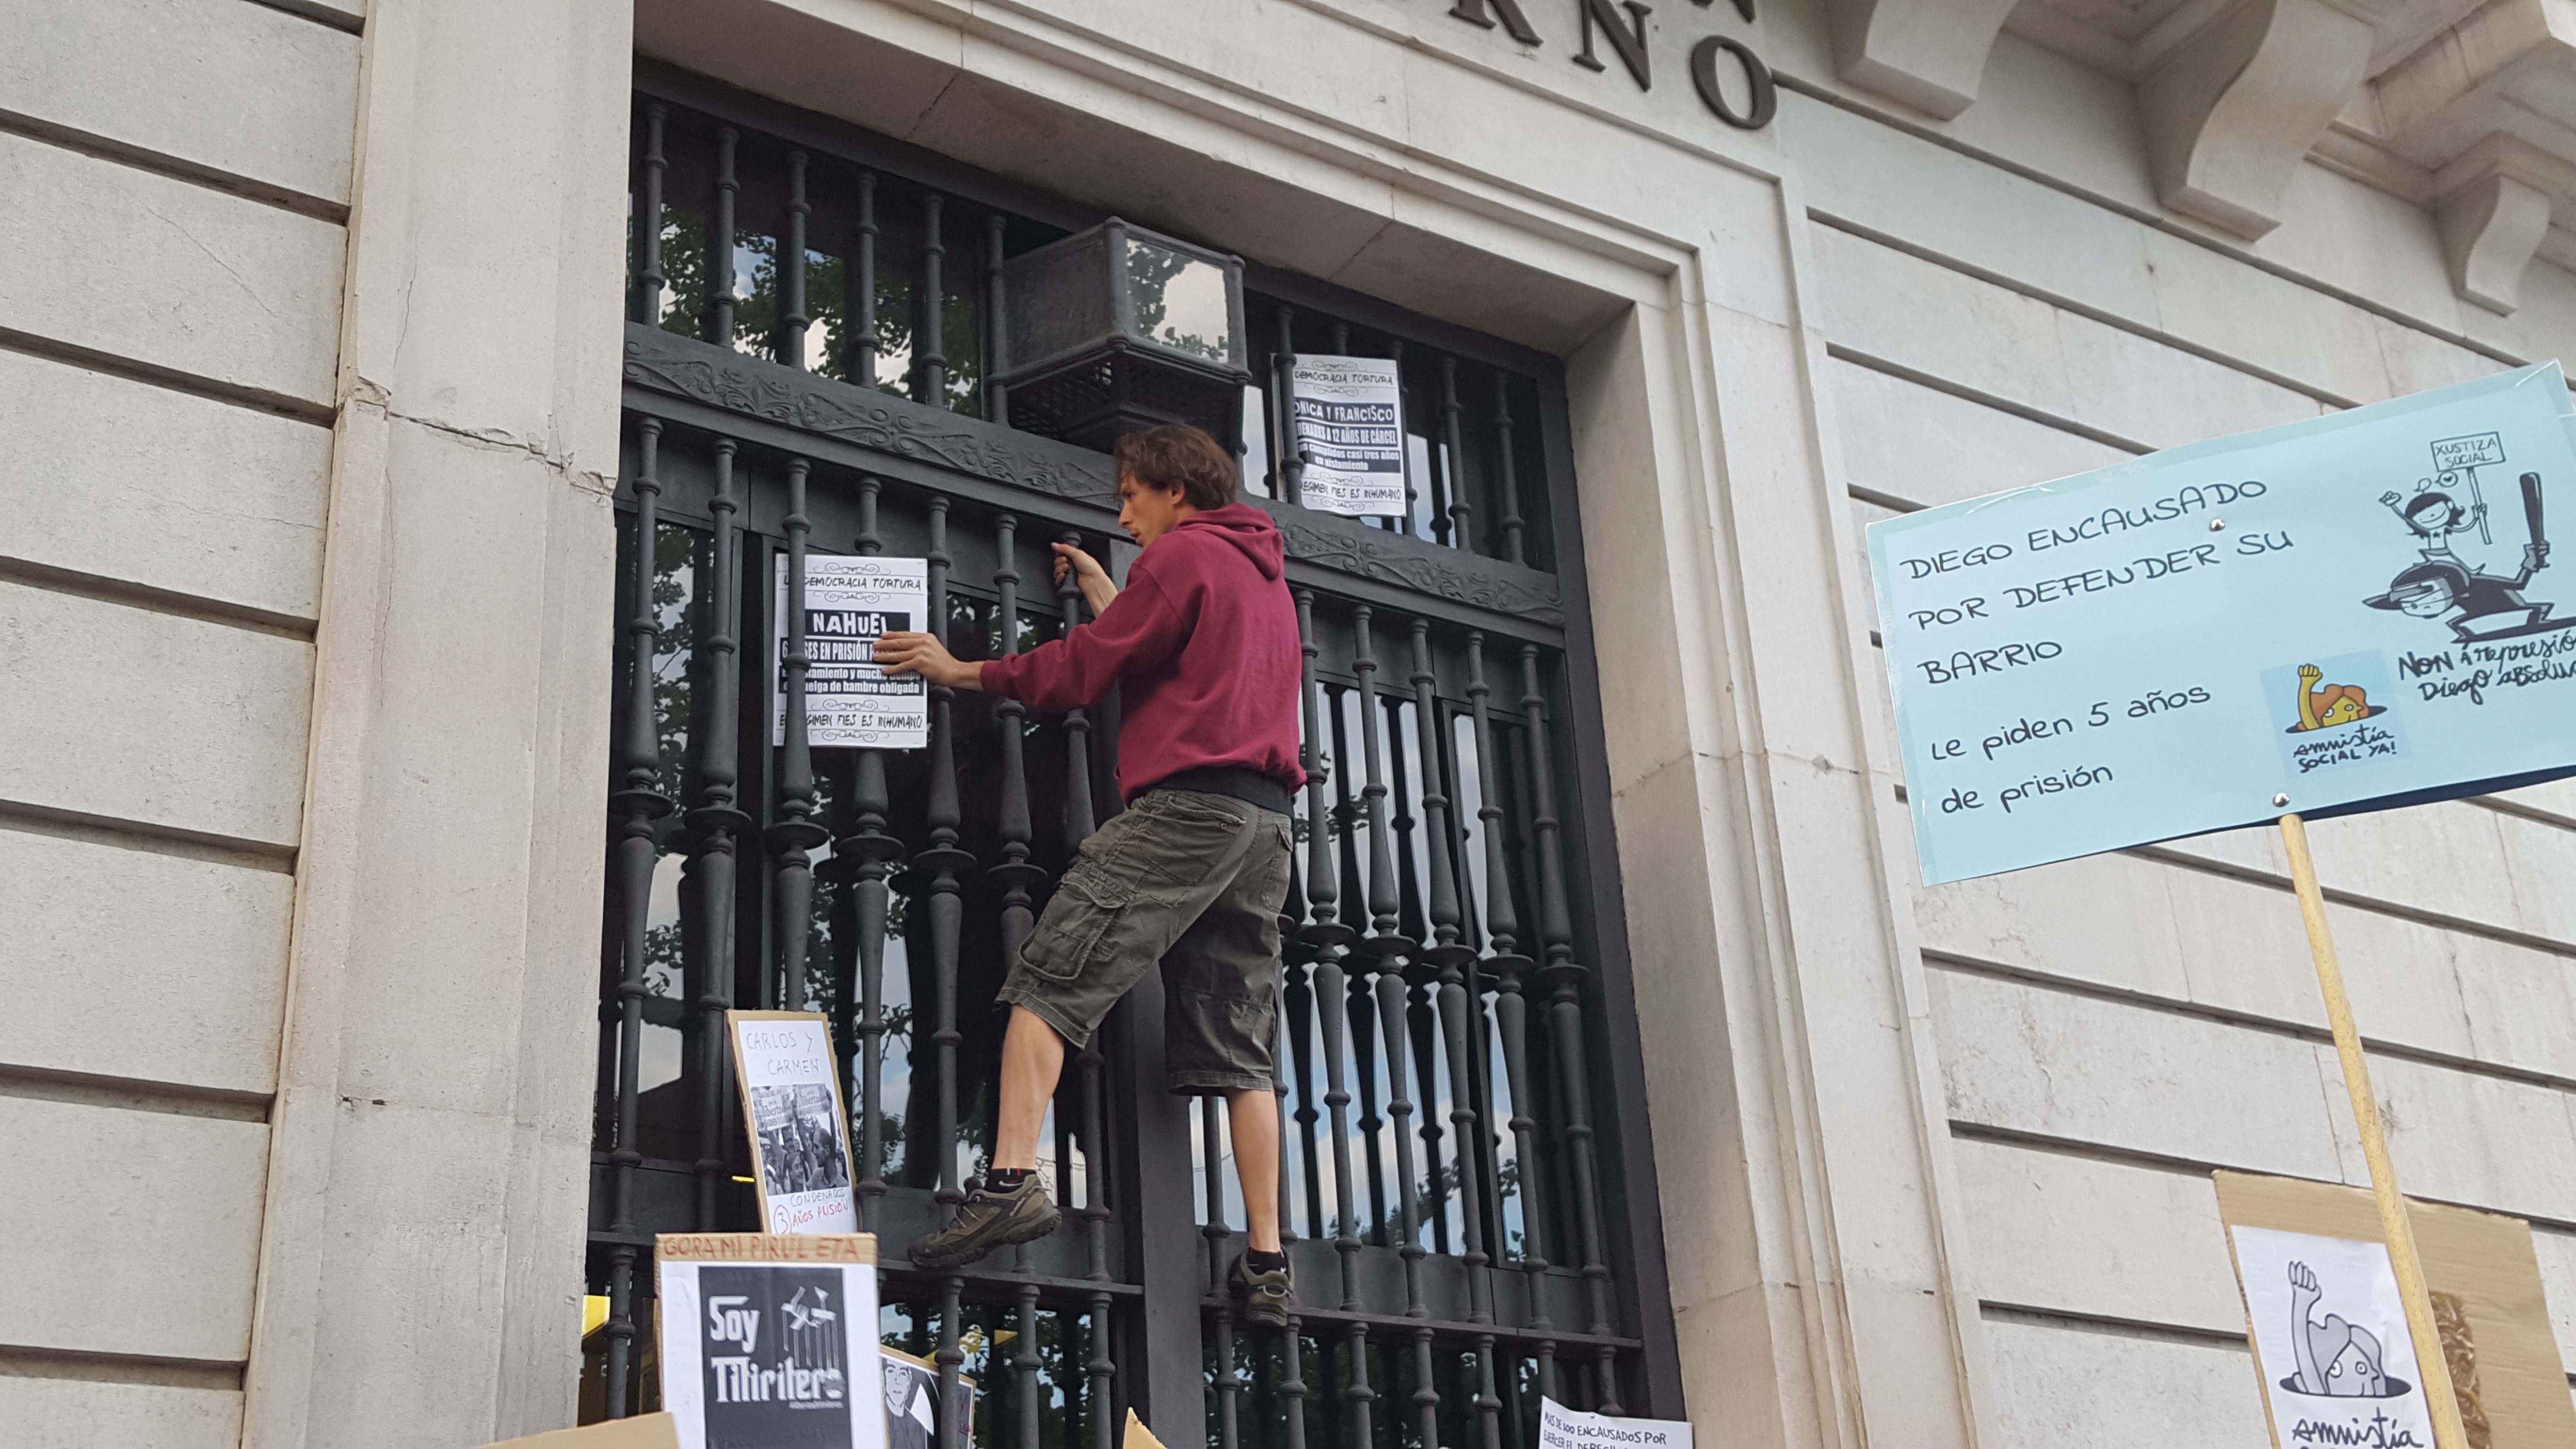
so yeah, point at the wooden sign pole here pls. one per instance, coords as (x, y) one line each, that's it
(2429, 1362)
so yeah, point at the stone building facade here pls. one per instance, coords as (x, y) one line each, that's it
(309, 379)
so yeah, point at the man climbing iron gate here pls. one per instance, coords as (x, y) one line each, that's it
(1466, 1193)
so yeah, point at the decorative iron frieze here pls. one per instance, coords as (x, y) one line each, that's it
(792, 398)
(1522, 593)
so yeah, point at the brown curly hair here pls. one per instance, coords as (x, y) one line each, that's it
(1177, 455)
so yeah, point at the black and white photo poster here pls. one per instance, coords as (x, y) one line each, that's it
(1348, 417)
(791, 1102)
(849, 602)
(769, 1342)
(2331, 1341)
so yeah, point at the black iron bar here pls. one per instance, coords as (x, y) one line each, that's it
(1508, 967)
(861, 303)
(996, 405)
(1563, 977)
(1424, 1028)
(1024, 1365)
(1102, 1365)
(1292, 1383)
(876, 850)
(718, 823)
(1227, 1381)
(1014, 874)
(792, 320)
(1358, 1398)
(929, 355)
(1297, 997)
(793, 837)
(636, 805)
(1504, 467)
(650, 276)
(720, 274)
(1449, 959)
(948, 865)
(1462, 531)
(1287, 458)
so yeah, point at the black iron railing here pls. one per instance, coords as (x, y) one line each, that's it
(1468, 1233)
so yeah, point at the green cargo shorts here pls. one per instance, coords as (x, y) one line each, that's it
(1191, 880)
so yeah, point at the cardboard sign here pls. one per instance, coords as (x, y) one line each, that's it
(769, 1339)
(1562, 1428)
(791, 1106)
(1347, 418)
(2487, 1300)
(2301, 619)
(645, 1431)
(912, 1398)
(849, 604)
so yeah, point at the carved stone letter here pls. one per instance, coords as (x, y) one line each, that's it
(1473, 12)
(1631, 45)
(1929, 54)
(2233, 110)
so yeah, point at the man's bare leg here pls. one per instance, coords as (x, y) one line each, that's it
(1254, 1119)
(1032, 1060)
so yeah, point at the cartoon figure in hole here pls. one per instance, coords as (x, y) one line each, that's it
(2336, 1359)
(2478, 605)
(2323, 706)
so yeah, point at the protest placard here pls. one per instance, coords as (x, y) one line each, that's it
(791, 1104)
(2300, 619)
(1562, 1428)
(770, 1339)
(1346, 422)
(848, 604)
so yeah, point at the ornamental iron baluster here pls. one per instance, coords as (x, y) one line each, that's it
(1563, 977)
(1449, 959)
(1024, 1365)
(796, 833)
(929, 352)
(1014, 874)
(720, 270)
(1509, 967)
(1357, 1396)
(876, 851)
(633, 809)
(792, 320)
(650, 276)
(1102, 1364)
(1461, 532)
(1503, 466)
(947, 864)
(1292, 1382)
(862, 301)
(718, 823)
(1403, 437)
(1297, 996)
(1424, 1029)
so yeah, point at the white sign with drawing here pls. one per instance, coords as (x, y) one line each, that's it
(1562, 1428)
(1347, 421)
(849, 602)
(2330, 1339)
(800, 1145)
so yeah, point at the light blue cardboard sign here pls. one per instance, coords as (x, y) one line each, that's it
(2354, 612)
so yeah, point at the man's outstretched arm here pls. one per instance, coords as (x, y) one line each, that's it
(1067, 673)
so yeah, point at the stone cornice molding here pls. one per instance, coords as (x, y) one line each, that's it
(2232, 110)
(2496, 202)
(1927, 54)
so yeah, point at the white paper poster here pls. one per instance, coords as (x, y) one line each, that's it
(772, 1353)
(801, 1143)
(2330, 1340)
(1348, 417)
(1562, 1428)
(849, 602)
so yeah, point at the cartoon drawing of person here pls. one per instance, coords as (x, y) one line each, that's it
(2323, 706)
(2336, 1359)
(2478, 605)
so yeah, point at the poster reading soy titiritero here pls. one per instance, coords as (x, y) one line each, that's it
(1348, 417)
(769, 1341)
(849, 604)
(2342, 614)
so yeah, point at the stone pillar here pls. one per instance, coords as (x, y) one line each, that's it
(421, 1259)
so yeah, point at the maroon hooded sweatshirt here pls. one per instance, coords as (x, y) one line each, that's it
(1204, 641)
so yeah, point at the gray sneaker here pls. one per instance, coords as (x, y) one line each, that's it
(1267, 1297)
(989, 1220)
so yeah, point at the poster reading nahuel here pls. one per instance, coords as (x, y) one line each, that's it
(849, 602)
(774, 1354)
(1348, 417)
(2330, 1337)
(800, 1147)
